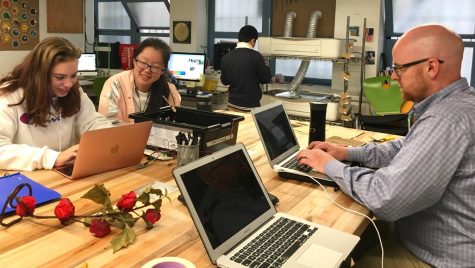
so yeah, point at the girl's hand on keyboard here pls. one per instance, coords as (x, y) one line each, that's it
(67, 156)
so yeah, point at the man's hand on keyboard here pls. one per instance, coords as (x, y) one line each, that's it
(339, 152)
(316, 158)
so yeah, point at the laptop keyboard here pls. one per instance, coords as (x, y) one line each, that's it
(275, 244)
(294, 164)
(67, 170)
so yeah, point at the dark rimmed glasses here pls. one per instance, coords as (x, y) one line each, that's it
(398, 68)
(154, 69)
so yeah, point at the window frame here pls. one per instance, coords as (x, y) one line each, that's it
(134, 33)
(391, 37)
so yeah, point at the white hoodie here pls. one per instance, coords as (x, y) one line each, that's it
(28, 147)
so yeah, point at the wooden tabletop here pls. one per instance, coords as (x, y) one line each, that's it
(47, 243)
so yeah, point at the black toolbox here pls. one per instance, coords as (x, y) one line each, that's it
(216, 130)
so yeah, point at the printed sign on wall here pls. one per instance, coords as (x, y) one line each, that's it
(19, 24)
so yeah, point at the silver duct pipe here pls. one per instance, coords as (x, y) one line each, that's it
(312, 24)
(311, 33)
(289, 24)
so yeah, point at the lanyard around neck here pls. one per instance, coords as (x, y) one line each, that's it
(140, 101)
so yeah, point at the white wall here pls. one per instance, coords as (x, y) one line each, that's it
(11, 58)
(358, 10)
(195, 11)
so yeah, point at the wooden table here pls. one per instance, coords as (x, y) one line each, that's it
(47, 243)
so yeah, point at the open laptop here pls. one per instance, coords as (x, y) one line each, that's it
(107, 149)
(281, 144)
(87, 65)
(232, 212)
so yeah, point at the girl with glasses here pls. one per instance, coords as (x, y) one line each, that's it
(144, 88)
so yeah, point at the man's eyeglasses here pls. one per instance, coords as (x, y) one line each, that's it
(144, 66)
(398, 68)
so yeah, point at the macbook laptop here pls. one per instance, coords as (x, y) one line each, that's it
(281, 144)
(87, 65)
(240, 227)
(107, 149)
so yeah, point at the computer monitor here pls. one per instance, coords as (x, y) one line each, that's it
(187, 67)
(87, 65)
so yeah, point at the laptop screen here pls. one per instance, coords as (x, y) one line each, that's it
(276, 131)
(226, 195)
(87, 62)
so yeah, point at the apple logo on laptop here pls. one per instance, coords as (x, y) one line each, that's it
(115, 149)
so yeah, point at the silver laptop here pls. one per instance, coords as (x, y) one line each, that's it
(107, 149)
(232, 212)
(281, 144)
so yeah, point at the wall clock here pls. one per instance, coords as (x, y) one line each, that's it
(182, 32)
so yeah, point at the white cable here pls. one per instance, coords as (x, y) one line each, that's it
(354, 212)
(60, 132)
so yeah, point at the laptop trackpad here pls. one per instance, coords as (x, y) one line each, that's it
(325, 257)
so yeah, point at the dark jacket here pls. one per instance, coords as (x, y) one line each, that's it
(243, 69)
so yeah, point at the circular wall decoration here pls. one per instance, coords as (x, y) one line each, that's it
(19, 21)
(182, 32)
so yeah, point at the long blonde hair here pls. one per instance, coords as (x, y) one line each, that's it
(33, 74)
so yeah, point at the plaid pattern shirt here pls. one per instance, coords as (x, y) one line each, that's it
(425, 182)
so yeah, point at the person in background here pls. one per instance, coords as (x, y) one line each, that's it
(144, 88)
(425, 183)
(244, 69)
(43, 111)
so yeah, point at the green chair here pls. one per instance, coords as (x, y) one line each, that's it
(97, 85)
(387, 105)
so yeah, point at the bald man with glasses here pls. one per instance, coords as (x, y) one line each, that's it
(423, 183)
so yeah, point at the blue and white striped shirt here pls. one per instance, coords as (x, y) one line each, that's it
(426, 180)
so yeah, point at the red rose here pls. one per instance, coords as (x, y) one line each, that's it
(127, 201)
(99, 228)
(25, 206)
(152, 215)
(64, 211)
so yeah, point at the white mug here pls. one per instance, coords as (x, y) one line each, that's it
(332, 111)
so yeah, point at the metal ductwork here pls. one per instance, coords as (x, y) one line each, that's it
(311, 33)
(289, 23)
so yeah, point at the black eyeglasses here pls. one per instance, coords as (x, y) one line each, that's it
(398, 68)
(153, 69)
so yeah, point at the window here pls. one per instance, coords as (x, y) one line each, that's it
(404, 14)
(227, 17)
(230, 16)
(409, 13)
(130, 21)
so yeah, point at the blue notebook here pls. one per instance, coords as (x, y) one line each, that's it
(41, 193)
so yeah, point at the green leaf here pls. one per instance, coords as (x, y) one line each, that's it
(157, 204)
(125, 238)
(129, 219)
(87, 221)
(119, 223)
(98, 194)
(111, 210)
(144, 198)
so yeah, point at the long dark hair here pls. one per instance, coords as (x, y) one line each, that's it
(159, 88)
(33, 74)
